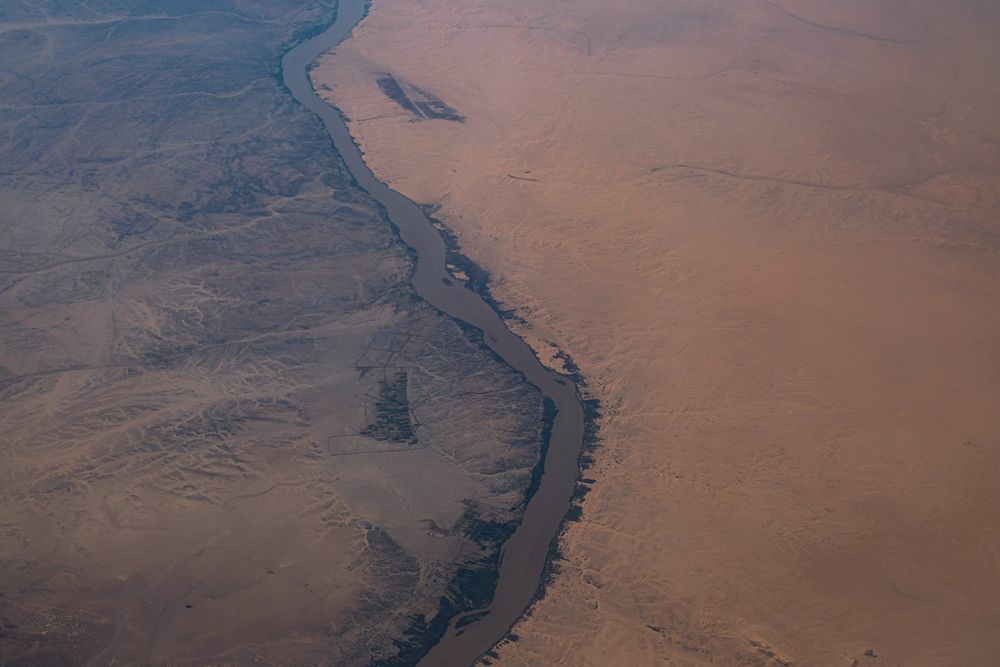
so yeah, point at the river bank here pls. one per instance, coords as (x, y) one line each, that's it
(526, 546)
(786, 325)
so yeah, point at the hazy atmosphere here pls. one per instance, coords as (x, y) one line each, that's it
(496, 332)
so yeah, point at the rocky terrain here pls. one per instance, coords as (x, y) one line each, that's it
(231, 434)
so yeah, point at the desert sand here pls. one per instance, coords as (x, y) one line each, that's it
(767, 234)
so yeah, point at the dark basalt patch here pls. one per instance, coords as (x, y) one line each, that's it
(433, 107)
(390, 87)
(419, 103)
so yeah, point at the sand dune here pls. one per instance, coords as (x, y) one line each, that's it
(767, 232)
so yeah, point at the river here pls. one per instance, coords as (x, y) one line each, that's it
(525, 552)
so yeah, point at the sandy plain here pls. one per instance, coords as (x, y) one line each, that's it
(767, 233)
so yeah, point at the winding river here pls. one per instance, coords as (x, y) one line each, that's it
(525, 552)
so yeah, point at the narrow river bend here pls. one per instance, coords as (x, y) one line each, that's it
(525, 552)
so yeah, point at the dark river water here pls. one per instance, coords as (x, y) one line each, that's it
(525, 552)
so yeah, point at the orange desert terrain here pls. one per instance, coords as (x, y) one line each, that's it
(767, 233)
